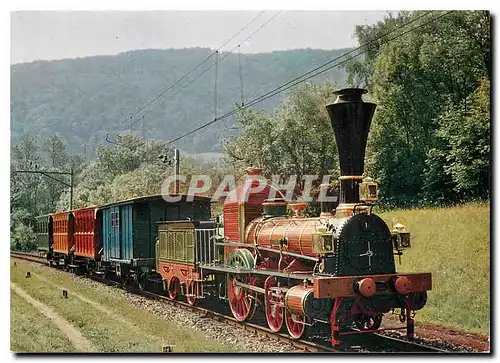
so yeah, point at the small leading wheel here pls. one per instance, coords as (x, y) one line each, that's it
(193, 290)
(295, 324)
(274, 306)
(367, 322)
(174, 288)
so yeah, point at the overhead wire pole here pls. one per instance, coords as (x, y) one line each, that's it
(215, 84)
(220, 59)
(177, 166)
(240, 70)
(143, 128)
(312, 73)
(191, 71)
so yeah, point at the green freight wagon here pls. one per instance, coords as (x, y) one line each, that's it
(43, 233)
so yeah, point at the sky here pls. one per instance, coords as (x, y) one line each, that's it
(52, 35)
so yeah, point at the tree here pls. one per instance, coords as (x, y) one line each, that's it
(86, 98)
(465, 134)
(128, 168)
(24, 186)
(297, 139)
(416, 79)
(372, 37)
(23, 238)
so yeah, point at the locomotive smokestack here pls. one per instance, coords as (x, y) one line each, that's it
(351, 118)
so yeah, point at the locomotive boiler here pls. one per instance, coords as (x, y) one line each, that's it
(338, 268)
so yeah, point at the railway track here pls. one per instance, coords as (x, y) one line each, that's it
(375, 343)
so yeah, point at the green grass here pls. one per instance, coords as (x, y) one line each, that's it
(30, 331)
(129, 330)
(453, 244)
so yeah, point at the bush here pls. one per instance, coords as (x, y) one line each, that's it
(23, 238)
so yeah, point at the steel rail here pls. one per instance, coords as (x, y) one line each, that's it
(306, 346)
(300, 344)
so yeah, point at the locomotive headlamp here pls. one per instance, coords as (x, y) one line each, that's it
(328, 242)
(322, 241)
(400, 237)
(368, 191)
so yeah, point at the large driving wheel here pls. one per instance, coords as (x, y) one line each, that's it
(274, 305)
(241, 299)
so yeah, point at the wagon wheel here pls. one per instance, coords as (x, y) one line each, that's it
(142, 282)
(274, 307)
(193, 290)
(367, 322)
(295, 324)
(174, 288)
(241, 299)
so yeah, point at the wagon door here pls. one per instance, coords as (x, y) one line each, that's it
(111, 224)
(125, 232)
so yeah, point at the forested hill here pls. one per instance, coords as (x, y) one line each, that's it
(84, 99)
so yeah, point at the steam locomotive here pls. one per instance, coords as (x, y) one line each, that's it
(336, 269)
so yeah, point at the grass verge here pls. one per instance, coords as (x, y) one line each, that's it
(127, 329)
(453, 244)
(30, 331)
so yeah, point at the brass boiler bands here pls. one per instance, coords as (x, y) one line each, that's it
(297, 232)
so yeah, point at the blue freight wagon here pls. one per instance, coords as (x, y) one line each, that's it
(130, 230)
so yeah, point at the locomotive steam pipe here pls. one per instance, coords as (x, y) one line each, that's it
(351, 117)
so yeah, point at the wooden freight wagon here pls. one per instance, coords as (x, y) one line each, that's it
(43, 227)
(129, 230)
(87, 234)
(62, 227)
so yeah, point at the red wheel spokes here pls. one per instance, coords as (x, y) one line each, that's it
(274, 311)
(295, 325)
(241, 300)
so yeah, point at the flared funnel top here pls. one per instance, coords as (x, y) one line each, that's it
(351, 118)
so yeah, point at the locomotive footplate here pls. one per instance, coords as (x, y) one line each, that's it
(368, 285)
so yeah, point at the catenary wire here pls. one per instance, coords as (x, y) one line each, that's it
(317, 71)
(211, 66)
(189, 72)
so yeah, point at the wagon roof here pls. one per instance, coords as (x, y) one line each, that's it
(60, 213)
(84, 209)
(156, 197)
(44, 215)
